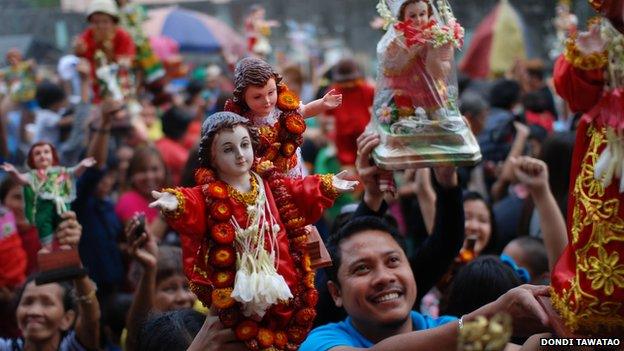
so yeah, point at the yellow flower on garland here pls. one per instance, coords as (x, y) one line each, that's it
(605, 273)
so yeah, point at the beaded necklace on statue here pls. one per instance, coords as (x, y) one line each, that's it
(237, 257)
(248, 198)
(279, 141)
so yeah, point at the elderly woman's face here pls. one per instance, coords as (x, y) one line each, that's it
(41, 314)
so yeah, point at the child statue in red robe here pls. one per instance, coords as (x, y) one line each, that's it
(588, 279)
(260, 96)
(244, 237)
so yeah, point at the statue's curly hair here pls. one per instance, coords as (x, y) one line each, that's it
(251, 71)
(214, 124)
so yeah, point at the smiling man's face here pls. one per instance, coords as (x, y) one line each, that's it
(377, 286)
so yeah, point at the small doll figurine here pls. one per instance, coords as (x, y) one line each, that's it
(243, 235)
(258, 30)
(415, 107)
(20, 78)
(260, 96)
(132, 16)
(48, 188)
(414, 60)
(565, 23)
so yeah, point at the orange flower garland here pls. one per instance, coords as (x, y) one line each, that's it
(287, 100)
(217, 256)
(279, 142)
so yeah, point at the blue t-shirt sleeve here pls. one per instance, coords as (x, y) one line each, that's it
(5, 344)
(422, 322)
(326, 337)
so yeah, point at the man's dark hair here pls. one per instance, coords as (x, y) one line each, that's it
(170, 331)
(354, 226)
(175, 122)
(48, 94)
(504, 94)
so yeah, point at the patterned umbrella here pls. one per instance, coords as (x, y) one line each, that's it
(194, 31)
(497, 43)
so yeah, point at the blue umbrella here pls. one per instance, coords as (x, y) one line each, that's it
(194, 31)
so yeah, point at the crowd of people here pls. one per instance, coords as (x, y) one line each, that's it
(410, 270)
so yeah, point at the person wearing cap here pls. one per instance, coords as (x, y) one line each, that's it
(353, 115)
(104, 35)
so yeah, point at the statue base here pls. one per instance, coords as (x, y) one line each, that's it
(316, 248)
(59, 265)
(432, 146)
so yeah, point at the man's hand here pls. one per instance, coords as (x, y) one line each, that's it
(143, 247)
(446, 176)
(529, 317)
(531, 172)
(213, 336)
(69, 231)
(164, 201)
(84, 69)
(369, 172)
(112, 110)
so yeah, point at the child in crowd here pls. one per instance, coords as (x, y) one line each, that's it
(530, 253)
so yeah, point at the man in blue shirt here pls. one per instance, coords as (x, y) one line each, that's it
(372, 280)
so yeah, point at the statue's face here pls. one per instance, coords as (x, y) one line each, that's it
(262, 100)
(42, 156)
(232, 152)
(14, 57)
(418, 13)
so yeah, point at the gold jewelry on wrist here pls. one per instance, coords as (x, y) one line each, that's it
(87, 298)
